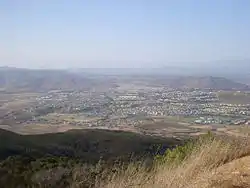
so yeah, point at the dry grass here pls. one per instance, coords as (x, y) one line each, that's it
(216, 163)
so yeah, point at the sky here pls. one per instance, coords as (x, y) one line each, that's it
(122, 33)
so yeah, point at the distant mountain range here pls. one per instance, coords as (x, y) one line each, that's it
(210, 68)
(217, 83)
(15, 79)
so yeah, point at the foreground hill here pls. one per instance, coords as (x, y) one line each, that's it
(89, 145)
(49, 160)
(209, 163)
(69, 160)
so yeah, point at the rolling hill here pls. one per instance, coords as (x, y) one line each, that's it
(217, 83)
(89, 145)
(15, 79)
(18, 80)
(71, 160)
(50, 160)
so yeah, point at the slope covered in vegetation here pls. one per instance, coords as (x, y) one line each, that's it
(209, 161)
(49, 158)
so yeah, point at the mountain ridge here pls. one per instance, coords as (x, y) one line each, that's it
(16, 79)
(12, 79)
(205, 82)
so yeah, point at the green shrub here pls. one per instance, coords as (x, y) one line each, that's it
(180, 153)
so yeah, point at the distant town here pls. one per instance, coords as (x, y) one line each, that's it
(128, 103)
(117, 108)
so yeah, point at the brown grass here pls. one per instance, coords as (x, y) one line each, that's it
(217, 163)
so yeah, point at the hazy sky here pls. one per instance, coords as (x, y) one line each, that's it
(122, 33)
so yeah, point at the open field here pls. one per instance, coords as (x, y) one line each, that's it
(174, 119)
(10, 102)
(234, 97)
(177, 127)
(73, 118)
(33, 129)
(172, 127)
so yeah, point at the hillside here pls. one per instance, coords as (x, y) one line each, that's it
(218, 83)
(200, 82)
(89, 145)
(15, 79)
(25, 158)
(208, 163)
(71, 160)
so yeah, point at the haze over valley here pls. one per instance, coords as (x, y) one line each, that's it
(42, 101)
(118, 94)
